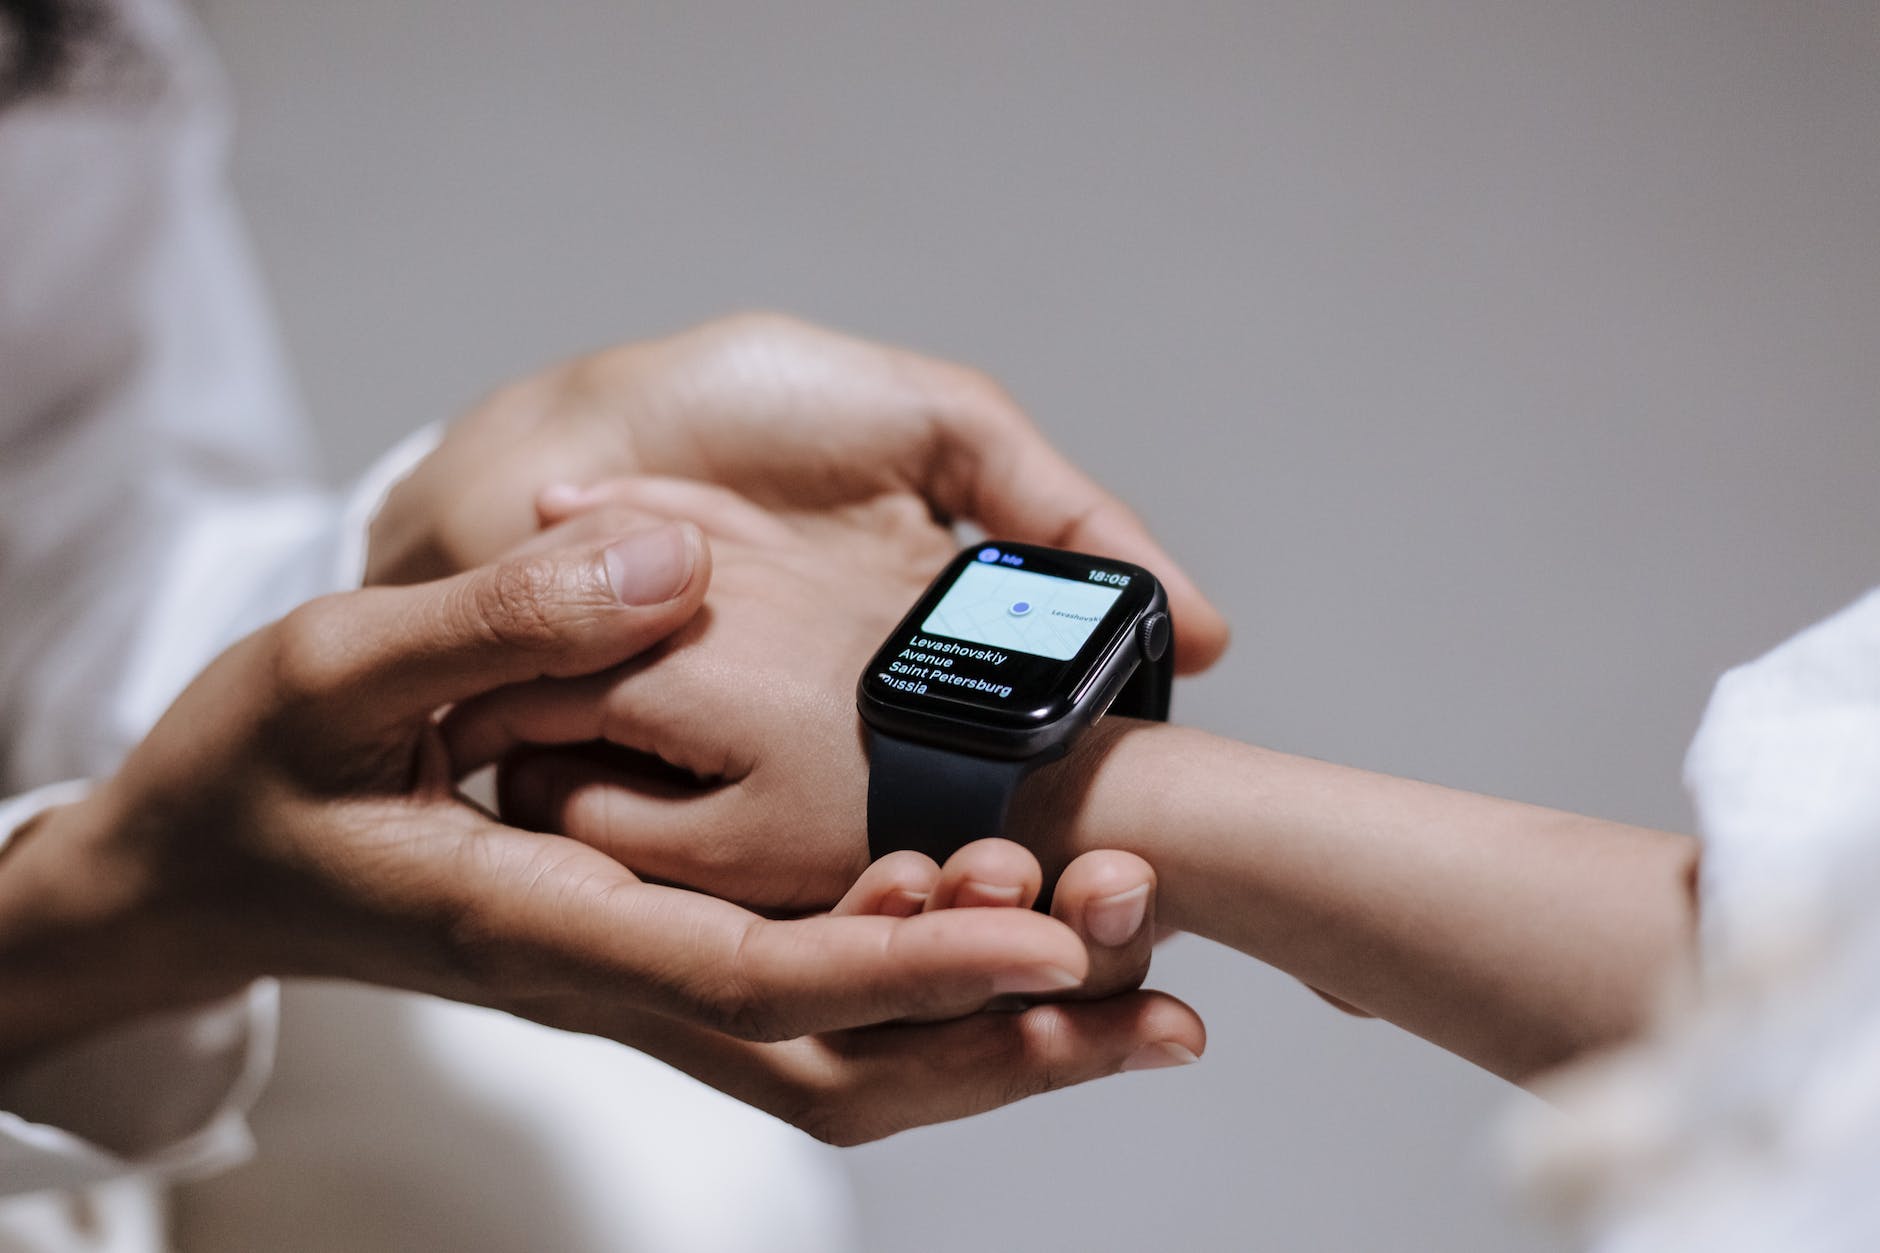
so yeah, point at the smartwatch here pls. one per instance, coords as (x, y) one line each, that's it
(1003, 662)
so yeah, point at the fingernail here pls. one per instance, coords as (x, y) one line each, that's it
(902, 903)
(986, 894)
(1115, 920)
(651, 567)
(1032, 979)
(1160, 1057)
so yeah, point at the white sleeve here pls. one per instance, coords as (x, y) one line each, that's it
(166, 1096)
(163, 1096)
(1784, 777)
(1747, 1118)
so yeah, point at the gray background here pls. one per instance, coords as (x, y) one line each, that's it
(1506, 369)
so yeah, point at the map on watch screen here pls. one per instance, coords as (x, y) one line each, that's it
(1020, 610)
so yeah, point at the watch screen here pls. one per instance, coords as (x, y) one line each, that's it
(1020, 610)
(1007, 633)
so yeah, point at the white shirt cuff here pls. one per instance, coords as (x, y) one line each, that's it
(1787, 794)
(17, 811)
(164, 1096)
(368, 496)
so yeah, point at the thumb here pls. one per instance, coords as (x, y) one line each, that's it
(382, 656)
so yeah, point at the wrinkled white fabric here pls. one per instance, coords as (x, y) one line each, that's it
(1750, 1121)
(158, 500)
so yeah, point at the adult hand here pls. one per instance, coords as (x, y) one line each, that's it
(801, 420)
(293, 814)
(731, 761)
(847, 1087)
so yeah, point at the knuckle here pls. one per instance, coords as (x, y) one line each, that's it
(838, 1128)
(1038, 1063)
(731, 1003)
(313, 653)
(455, 942)
(494, 948)
(841, 1114)
(821, 1115)
(979, 412)
(515, 604)
(1054, 1070)
(734, 1011)
(902, 519)
(1079, 520)
(521, 397)
(471, 950)
(758, 323)
(994, 400)
(469, 940)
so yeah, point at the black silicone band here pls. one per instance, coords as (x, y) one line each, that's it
(933, 799)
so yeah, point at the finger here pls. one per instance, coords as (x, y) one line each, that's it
(789, 978)
(536, 918)
(375, 658)
(932, 965)
(599, 523)
(647, 706)
(670, 824)
(721, 512)
(998, 470)
(486, 728)
(994, 1059)
(857, 1086)
(630, 805)
(1108, 898)
(991, 872)
(665, 788)
(896, 886)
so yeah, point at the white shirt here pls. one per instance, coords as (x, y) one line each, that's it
(1750, 1121)
(157, 501)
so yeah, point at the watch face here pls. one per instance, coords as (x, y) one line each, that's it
(1007, 635)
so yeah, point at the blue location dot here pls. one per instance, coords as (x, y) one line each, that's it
(988, 554)
(1020, 608)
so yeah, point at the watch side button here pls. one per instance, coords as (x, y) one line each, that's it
(1152, 635)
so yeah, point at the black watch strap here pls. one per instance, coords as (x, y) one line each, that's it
(933, 799)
